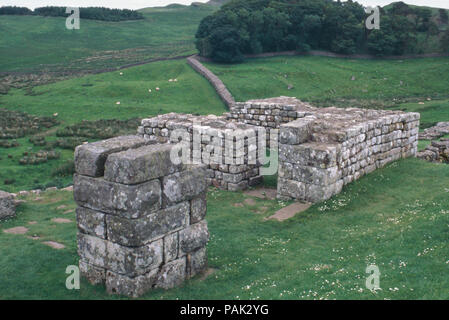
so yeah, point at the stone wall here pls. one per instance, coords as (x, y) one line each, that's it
(210, 140)
(219, 86)
(7, 205)
(331, 147)
(140, 217)
(438, 151)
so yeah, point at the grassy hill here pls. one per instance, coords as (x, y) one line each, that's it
(32, 42)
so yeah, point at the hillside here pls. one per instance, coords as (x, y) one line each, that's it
(43, 46)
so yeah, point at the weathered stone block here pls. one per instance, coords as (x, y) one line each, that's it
(90, 158)
(131, 287)
(296, 132)
(126, 201)
(310, 154)
(123, 260)
(142, 164)
(196, 262)
(193, 237)
(7, 205)
(172, 274)
(95, 275)
(137, 232)
(184, 185)
(198, 208)
(171, 244)
(91, 222)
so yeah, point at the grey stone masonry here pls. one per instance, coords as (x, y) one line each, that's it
(211, 140)
(7, 205)
(140, 217)
(331, 147)
(438, 152)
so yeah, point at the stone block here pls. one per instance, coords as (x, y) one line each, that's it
(90, 158)
(91, 222)
(184, 185)
(296, 132)
(171, 245)
(95, 275)
(131, 287)
(137, 232)
(193, 237)
(7, 205)
(126, 201)
(196, 262)
(119, 259)
(172, 274)
(198, 208)
(142, 164)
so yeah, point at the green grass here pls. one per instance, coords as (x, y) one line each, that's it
(36, 43)
(94, 97)
(386, 218)
(327, 81)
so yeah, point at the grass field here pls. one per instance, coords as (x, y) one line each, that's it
(327, 81)
(32, 43)
(95, 97)
(387, 218)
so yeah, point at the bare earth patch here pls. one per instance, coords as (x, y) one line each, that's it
(54, 245)
(61, 220)
(32, 222)
(16, 230)
(289, 211)
(61, 207)
(262, 193)
(68, 211)
(238, 205)
(250, 202)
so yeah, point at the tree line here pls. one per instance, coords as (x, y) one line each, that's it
(93, 13)
(256, 26)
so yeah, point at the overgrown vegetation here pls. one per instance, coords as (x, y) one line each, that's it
(93, 13)
(17, 124)
(256, 26)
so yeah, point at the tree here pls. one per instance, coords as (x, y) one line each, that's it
(444, 18)
(225, 45)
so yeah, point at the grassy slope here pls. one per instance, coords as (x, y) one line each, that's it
(325, 81)
(386, 218)
(73, 101)
(28, 41)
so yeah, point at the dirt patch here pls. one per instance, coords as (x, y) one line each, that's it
(16, 230)
(61, 220)
(61, 207)
(68, 211)
(289, 211)
(250, 202)
(32, 222)
(238, 205)
(54, 245)
(262, 193)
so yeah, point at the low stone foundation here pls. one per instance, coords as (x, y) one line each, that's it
(140, 217)
(207, 139)
(438, 151)
(7, 205)
(331, 147)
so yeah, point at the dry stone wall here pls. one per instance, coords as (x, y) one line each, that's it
(212, 140)
(331, 147)
(140, 217)
(438, 151)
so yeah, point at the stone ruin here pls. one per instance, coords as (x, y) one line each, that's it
(438, 151)
(141, 214)
(7, 205)
(140, 217)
